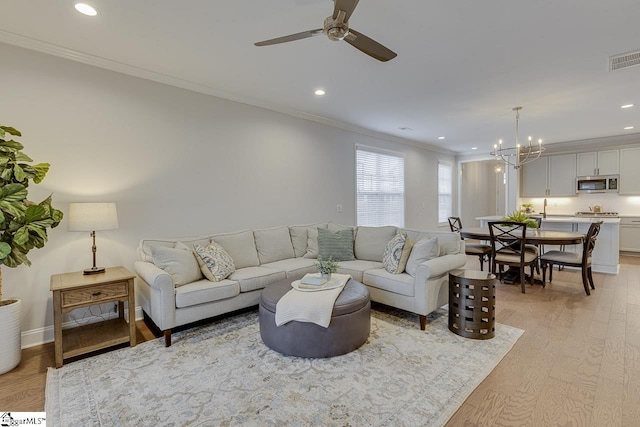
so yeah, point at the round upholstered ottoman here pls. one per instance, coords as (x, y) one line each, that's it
(348, 330)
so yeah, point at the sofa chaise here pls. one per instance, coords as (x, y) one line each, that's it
(172, 290)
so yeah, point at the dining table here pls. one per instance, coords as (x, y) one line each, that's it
(534, 236)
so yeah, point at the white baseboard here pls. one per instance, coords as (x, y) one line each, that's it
(44, 335)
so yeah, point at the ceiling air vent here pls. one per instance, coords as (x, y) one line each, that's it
(624, 60)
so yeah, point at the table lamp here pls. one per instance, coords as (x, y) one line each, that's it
(92, 217)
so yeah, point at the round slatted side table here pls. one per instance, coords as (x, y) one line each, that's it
(472, 304)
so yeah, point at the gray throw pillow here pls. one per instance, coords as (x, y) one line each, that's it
(337, 245)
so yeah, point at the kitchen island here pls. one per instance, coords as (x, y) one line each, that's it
(606, 255)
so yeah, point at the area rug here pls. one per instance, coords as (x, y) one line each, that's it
(222, 374)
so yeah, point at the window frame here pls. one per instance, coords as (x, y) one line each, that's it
(449, 165)
(382, 152)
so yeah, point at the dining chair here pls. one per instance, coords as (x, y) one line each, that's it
(573, 259)
(508, 247)
(480, 250)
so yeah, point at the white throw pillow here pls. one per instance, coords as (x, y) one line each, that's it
(179, 262)
(312, 243)
(423, 250)
(216, 264)
(397, 253)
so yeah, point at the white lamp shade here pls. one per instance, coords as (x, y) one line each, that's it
(92, 216)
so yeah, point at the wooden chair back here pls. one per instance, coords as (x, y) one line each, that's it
(508, 238)
(455, 224)
(590, 242)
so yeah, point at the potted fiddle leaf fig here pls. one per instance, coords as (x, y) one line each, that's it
(23, 226)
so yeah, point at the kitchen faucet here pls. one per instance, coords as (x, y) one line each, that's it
(544, 209)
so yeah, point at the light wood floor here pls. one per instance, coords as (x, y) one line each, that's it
(577, 364)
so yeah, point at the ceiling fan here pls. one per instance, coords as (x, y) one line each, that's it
(336, 27)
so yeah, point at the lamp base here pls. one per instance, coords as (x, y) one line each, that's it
(94, 270)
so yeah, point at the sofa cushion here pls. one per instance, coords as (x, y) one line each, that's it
(241, 246)
(336, 245)
(180, 263)
(312, 243)
(299, 237)
(380, 278)
(423, 250)
(372, 241)
(216, 264)
(357, 267)
(204, 291)
(294, 268)
(397, 253)
(273, 244)
(252, 278)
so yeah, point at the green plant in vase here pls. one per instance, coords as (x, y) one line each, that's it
(517, 216)
(23, 226)
(326, 267)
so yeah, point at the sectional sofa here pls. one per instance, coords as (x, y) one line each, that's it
(173, 292)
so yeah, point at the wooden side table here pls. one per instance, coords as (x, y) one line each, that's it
(472, 304)
(77, 290)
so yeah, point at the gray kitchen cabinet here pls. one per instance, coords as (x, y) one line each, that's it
(605, 162)
(630, 171)
(549, 176)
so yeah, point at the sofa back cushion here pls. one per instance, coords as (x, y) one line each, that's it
(336, 245)
(241, 246)
(372, 241)
(299, 237)
(273, 244)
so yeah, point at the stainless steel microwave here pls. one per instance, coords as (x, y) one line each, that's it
(598, 184)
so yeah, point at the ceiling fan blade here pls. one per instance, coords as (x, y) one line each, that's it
(290, 37)
(347, 6)
(369, 46)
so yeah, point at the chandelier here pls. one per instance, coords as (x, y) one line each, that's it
(518, 156)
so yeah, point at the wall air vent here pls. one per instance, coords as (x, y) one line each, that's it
(624, 60)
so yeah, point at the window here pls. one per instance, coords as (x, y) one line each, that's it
(379, 187)
(445, 190)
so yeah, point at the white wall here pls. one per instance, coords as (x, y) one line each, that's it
(177, 163)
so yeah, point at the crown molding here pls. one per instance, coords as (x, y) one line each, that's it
(120, 67)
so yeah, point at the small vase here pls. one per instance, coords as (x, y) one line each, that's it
(325, 276)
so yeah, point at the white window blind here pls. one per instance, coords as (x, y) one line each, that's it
(445, 191)
(379, 188)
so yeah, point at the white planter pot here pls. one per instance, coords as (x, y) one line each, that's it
(10, 338)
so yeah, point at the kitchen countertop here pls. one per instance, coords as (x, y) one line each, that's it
(561, 218)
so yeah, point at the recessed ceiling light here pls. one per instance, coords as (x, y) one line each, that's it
(86, 9)
(319, 92)
(626, 106)
(628, 128)
(441, 137)
(406, 129)
(474, 148)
